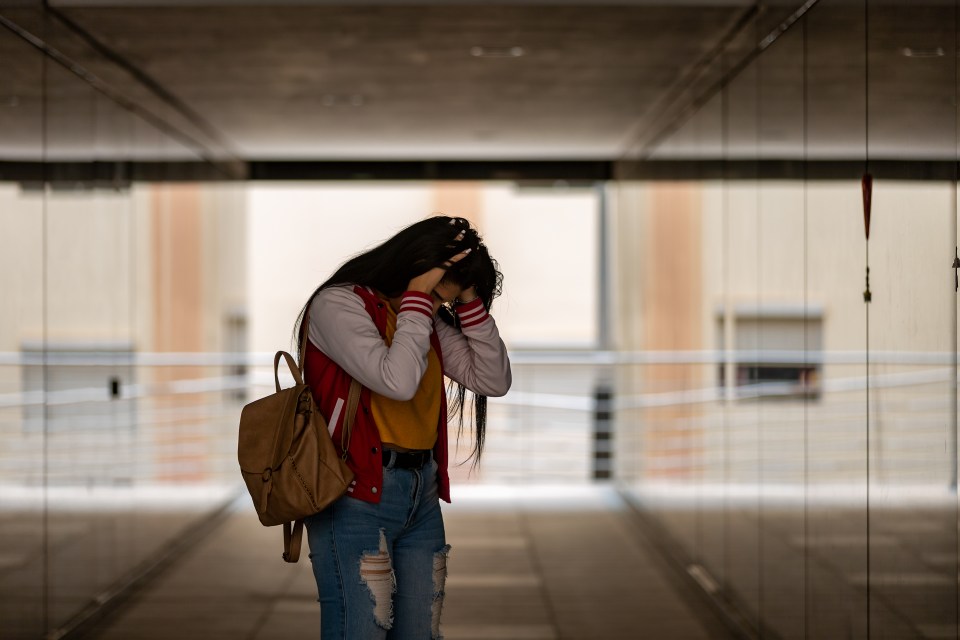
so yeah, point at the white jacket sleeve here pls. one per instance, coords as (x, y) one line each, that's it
(475, 357)
(341, 328)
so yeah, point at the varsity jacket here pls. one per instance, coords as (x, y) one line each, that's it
(346, 331)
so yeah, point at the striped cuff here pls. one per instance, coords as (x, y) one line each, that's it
(417, 301)
(472, 313)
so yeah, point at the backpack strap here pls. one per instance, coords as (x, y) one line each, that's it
(302, 352)
(353, 399)
(293, 533)
(292, 540)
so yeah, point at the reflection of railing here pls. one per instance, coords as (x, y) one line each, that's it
(117, 419)
(542, 431)
(526, 357)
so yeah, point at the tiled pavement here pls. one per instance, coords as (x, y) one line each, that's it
(561, 563)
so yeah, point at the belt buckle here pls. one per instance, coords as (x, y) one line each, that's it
(421, 459)
(405, 459)
(411, 459)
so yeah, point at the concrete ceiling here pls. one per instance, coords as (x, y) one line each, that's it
(471, 80)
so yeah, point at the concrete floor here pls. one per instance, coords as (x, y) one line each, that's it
(569, 563)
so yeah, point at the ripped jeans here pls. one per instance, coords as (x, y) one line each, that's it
(381, 568)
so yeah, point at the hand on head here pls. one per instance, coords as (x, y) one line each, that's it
(426, 282)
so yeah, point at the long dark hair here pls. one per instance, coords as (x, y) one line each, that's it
(389, 267)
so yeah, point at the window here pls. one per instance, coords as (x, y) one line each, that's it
(776, 352)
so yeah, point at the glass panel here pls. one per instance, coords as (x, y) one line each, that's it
(812, 496)
(715, 471)
(626, 262)
(786, 331)
(89, 468)
(21, 320)
(835, 537)
(89, 352)
(741, 298)
(913, 515)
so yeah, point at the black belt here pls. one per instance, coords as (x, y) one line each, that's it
(405, 459)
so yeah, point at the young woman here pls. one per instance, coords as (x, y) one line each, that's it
(398, 319)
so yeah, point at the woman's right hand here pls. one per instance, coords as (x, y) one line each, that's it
(426, 282)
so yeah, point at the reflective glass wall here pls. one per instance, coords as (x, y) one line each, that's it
(795, 443)
(118, 298)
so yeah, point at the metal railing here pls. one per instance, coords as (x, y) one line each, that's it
(183, 430)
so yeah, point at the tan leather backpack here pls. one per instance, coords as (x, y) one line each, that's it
(287, 458)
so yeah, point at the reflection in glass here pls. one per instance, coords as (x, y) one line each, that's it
(824, 504)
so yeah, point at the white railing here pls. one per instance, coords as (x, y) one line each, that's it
(542, 431)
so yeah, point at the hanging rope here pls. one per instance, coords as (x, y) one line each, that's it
(866, 182)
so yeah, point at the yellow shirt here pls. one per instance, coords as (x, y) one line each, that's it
(411, 424)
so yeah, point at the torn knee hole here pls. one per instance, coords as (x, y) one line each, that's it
(440, 569)
(376, 571)
(439, 588)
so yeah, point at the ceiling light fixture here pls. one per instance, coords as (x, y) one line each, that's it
(923, 52)
(497, 52)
